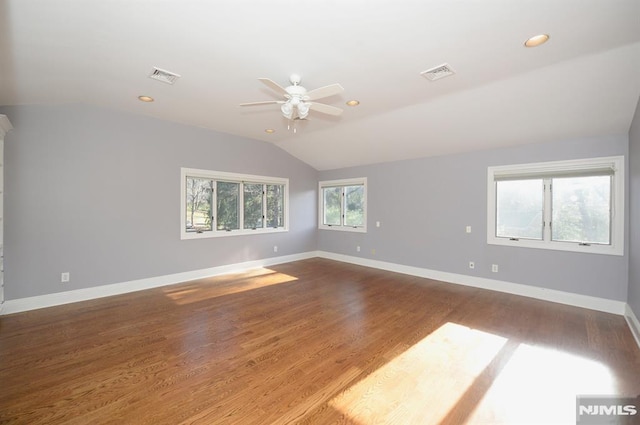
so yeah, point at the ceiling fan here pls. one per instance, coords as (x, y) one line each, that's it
(298, 100)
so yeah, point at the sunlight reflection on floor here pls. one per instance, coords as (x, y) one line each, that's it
(204, 289)
(461, 375)
(539, 385)
(424, 382)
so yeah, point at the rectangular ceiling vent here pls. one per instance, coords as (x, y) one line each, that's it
(438, 72)
(164, 76)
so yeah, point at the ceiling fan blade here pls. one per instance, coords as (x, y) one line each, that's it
(266, 102)
(273, 85)
(325, 109)
(325, 91)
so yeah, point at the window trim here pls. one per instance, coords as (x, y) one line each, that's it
(542, 169)
(233, 178)
(341, 183)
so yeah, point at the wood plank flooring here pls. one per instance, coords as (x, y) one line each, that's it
(311, 342)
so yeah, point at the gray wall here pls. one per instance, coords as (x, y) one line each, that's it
(424, 205)
(96, 193)
(634, 179)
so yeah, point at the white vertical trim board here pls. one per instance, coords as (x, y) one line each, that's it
(633, 322)
(67, 297)
(577, 300)
(5, 125)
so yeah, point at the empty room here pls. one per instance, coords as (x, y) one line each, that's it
(319, 212)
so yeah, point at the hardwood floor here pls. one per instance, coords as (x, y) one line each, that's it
(312, 342)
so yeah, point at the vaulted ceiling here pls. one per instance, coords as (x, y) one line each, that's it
(585, 81)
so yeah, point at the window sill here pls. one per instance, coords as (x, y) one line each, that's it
(344, 229)
(221, 234)
(558, 246)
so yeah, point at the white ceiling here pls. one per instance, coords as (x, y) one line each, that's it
(584, 82)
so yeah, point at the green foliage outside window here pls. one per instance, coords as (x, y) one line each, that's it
(199, 192)
(275, 205)
(228, 204)
(332, 205)
(260, 206)
(581, 209)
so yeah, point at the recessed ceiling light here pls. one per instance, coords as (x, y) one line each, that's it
(353, 102)
(269, 131)
(537, 40)
(145, 98)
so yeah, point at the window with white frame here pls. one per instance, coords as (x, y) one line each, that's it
(343, 205)
(223, 204)
(575, 205)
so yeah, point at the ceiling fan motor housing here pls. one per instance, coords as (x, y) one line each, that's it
(295, 79)
(296, 91)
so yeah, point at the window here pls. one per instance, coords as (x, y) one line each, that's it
(573, 205)
(223, 204)
(343, 205)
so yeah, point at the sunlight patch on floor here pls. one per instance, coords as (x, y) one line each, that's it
(204, 289)
(422, 384)
(539, 385)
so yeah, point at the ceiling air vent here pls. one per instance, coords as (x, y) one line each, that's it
(164, 76)
(438, 72)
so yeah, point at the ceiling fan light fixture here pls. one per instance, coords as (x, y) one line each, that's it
(145, 99)
(537, 40)
(353, 102)
(287, 110)
(303, 110)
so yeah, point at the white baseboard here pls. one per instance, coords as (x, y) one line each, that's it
(633, 322)
(50, 300)
(584, 301)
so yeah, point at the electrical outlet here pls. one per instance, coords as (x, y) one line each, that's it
(373, 251)
(64, 277)
(468, 229)
(377, 224)
(358, 248)
(494, 268)
(472, 265)
(275, 248)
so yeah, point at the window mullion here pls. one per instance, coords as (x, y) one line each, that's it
(214, 200)
(241, 206)
(343, 208)
(264, 206)
(547, 212)
(214, 205)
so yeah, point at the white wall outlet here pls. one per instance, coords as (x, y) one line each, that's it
(64, 277)
(494, 268)
(373, 251)
(358, 248)
(468, 229)
(472, 265)
(275, 248)
(377, 224)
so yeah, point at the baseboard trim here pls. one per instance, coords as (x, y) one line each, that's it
(67, 297)
(577, 300)
(584, 301)
(633, 322)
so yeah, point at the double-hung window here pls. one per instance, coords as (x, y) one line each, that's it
(575, 205)
(223, 204)
(343, 205)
